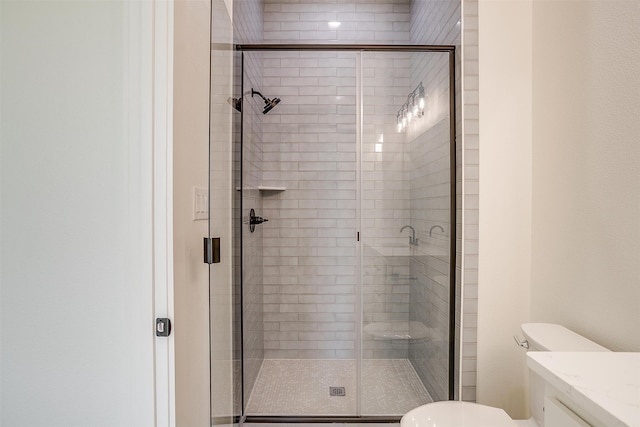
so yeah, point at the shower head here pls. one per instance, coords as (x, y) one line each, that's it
(268, 103)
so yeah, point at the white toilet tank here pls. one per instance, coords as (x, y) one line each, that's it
(551, 337)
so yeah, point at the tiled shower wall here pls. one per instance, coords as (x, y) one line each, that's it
(310, 264)
(433, 22)
(248, 29)
(388, 22)
(470, 198)
(428, 141)
(437, 22)
(237, 240)
(252, 243)
(385, 204)
(363, 21)
(310, 282)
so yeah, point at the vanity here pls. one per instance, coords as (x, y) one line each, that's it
(599, 389)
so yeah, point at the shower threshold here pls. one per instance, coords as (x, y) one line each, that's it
(392, 421)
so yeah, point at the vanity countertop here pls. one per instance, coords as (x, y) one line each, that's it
(607, 384)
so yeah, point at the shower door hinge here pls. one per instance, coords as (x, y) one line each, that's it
(211, 250)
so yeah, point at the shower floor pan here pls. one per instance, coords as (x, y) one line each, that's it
(295, 387)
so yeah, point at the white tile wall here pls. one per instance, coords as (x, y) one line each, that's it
(385, 201)
(308, 145)
(307, 21)
(434, 22)
(248, 21)
(248, 29)
(310, 262)
(237, 240)
(310, 148)
(471, 167)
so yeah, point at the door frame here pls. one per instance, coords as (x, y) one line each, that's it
(149, 80)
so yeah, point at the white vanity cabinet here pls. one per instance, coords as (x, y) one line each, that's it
(557, 414)
(589, 389)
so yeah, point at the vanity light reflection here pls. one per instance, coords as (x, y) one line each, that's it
(412, 108)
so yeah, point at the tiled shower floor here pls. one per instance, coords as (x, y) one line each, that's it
(295, 387)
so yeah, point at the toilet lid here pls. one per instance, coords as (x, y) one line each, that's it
(456, 414)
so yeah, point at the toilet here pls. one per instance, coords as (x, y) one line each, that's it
(538, 337)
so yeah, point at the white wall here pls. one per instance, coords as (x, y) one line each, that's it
(586, 169)
(505, 200)
(75, 187)
(190, 163)
(559, 195)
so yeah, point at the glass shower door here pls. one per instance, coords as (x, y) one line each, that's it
(300, 267)
(221, 194)
(343, 218)
(406, 230)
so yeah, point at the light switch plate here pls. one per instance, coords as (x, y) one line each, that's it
(200, 203)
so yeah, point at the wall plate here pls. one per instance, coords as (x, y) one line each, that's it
(200, 203)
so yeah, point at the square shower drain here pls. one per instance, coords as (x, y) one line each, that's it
(337, 391)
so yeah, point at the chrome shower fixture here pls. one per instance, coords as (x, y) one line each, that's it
(412, 108)
(268, 103)
(412, 239)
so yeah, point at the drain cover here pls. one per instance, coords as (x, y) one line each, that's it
(337, 391)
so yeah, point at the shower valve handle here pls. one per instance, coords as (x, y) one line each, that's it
(253, 220)
(258, 220)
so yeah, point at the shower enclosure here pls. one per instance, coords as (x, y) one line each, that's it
(344, 237)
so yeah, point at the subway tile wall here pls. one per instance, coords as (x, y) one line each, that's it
(237, 240)
(248, 29)
(310, 264)
(252, 243)
(428, 140)
(470, 167)
(248, 26)
(434, 22)
(385, 205)
(364, 21)
(360, 21)
(321, 121)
